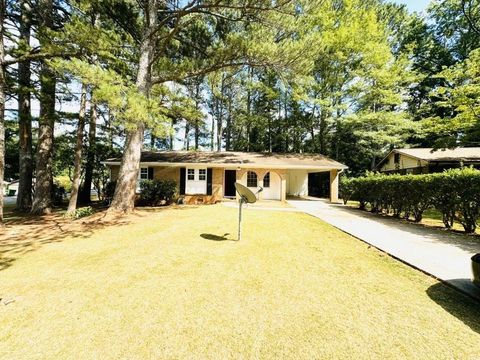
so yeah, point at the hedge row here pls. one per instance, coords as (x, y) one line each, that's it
(455, 193)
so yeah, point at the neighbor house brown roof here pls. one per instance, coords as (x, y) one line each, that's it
(467, 154)
(236, 159)
(430, 154)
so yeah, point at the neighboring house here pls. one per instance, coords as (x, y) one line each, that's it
(428, 160)
(5, 187)
(208, 177)
(12, 188)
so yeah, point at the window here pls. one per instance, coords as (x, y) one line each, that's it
(191, 174)
(252, 179)
(266, 180)
(396, 158)
(202, 174)
(143, 173)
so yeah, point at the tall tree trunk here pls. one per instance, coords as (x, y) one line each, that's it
(228, 134)
(86, 189)
(186, 140)
(171, 138)
(197, 121)
(249, 99)
(24, 195)
(153, 140)
(212, 131)
(42, 200)
(220, 128)
(77, 168)
(124, 196)
(2, 106)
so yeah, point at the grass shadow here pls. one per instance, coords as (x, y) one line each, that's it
(25, 233)
(462, 307)
(214, 237)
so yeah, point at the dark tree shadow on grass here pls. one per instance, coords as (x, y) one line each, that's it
(459, 305)
(214, 237)
(25, 233)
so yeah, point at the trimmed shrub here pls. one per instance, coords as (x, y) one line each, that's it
(455, 193)
(157, 192)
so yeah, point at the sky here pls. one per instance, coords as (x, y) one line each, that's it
(414, 5)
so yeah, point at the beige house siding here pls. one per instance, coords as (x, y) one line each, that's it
(166, 173)
(406, 162)
(282, 173)
(114, 170)
(297, 182)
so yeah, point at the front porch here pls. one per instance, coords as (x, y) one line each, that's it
(278, 184)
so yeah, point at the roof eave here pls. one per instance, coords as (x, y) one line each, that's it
(235, 165)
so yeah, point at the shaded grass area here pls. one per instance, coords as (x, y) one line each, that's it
(168, 284)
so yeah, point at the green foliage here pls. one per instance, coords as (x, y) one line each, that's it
(157, 192)
(109, 190)
(462, 95)
(58, 194)
(455, 193)
(64, 181)
(81, 212)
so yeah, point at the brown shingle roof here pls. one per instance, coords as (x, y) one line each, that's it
(429, 154)
(242, 159)
(466, 154)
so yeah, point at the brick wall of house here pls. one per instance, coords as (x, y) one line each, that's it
(167, 173)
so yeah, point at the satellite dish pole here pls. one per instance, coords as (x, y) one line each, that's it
(246, 197)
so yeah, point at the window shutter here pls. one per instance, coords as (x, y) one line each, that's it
(209, 181)
(150, 173)
(182, 180)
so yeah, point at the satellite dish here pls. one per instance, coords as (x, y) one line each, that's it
(246, 197)
(245, 193)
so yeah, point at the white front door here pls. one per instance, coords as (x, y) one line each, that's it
(196, 181)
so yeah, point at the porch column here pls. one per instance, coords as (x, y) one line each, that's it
(334, 186)
(260, 185)
(260, 174)
(283, 192)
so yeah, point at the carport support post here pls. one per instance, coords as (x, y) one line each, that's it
(283, 189)
(334, 176)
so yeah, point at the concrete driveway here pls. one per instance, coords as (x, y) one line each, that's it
(440, 253)
(9, 200)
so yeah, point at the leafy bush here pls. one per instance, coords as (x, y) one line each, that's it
(455, 193)
(81, 212)
(64, 181)
(58, 194)
(109, 190)
(157, 192)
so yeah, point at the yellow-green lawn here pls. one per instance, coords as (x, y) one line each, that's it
(169, 284)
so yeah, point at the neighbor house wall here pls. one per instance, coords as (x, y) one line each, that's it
(114, 170)
(406, 162)
(297, 182)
